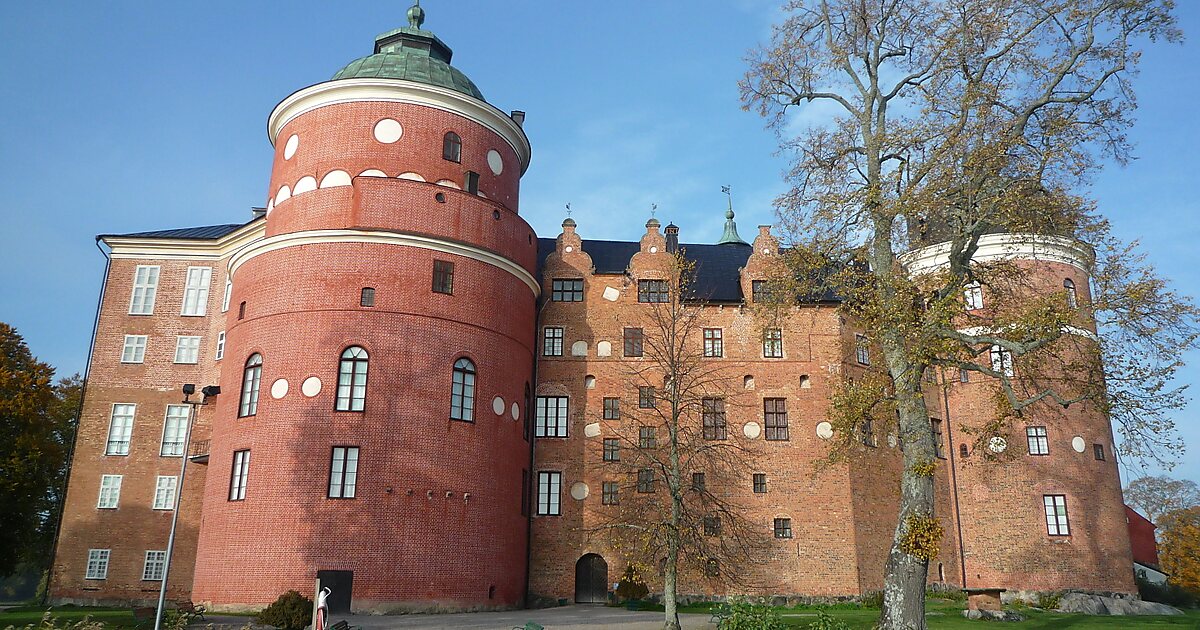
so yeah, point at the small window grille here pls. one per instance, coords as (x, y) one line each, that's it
(368, 297)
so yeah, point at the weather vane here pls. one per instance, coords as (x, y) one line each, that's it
(653, 209)
(569, 210)
(725, 189)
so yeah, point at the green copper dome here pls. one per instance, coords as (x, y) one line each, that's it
(412, 54)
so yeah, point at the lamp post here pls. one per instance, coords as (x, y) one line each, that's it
(188, 390)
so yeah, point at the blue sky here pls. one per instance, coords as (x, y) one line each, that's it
(121, 117)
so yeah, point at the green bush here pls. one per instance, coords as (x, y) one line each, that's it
(631, 587)
(874, 599)
(1049, 601)
(292, 611)
(1169, 594)
(742, 615)
(826, 621)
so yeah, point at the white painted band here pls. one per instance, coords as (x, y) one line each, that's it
(283, 241)
(993, 247)
(399, 91)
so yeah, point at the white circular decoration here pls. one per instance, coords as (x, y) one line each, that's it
(448, 184)
(410, 176)
(308, 183)
(498, 406)
(516, 411)
(654, 250)
(591, 430)
(289, 149)
(333, 179)
(1078, 444)
(388, 131)
(892, 440)
(283, 195)
(824, 430)
(495, 162)
(751, 430)
(579, 491)
(279, 388)
(568, 249)
(997, 444)
(311, 386)
(372, 172)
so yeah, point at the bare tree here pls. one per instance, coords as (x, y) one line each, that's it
(676, 509)
(1154, 497)
(955, 120)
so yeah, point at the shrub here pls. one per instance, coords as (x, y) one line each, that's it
(826, 621)
(874, 599)
(1049, 601)
(1170, 594)
(292, 611)
(740, 614)
(631, 587)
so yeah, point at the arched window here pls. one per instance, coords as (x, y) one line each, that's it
(352, 380)
(462, 392)
(452, 147)
(251, 376)
(973, 295)
(1072, 296)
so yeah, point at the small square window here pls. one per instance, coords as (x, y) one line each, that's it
(783, 528)
(242, 310)
(634, 338)
(714, 345)
(647, 437)
(760, 483)
(646, 398)
(645, 480)
(368, 297)
(443, 277)
(698, 482)
(552, 341)
(134, 350)
(566, 290)
(1002, 361)
(1037, 440)
(612, 408)
(612, 450)
(110, 492)
(164, 492)
(973, 296)
(152, 569)
(758, 290)
(187, 349)
(97, 563)
(610, 494)
(1098, 451)
(964, 375)
(653, 291)
(712, 525)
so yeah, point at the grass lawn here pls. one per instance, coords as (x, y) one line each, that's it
(25, 615)
(946, 615)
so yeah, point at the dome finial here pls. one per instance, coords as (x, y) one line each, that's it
(416, 15)
(731, 235)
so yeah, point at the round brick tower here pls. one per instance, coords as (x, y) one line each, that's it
(379, 349)
(1040, 508)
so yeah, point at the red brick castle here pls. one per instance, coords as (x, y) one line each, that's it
(416, 389)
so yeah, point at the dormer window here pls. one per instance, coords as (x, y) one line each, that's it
(452, 147)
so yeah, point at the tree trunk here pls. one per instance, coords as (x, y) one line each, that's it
(670, 609)
(905, 575)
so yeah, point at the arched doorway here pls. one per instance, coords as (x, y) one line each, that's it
(591, 580)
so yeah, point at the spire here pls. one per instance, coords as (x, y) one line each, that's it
(730, 237)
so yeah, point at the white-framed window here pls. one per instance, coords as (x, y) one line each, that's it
(145, 287)
(714, 343)
(153, 568)
(1002, 360)
(343, 472)
(462, 391)
(352, 380)
(195, 293)
(174, 431)
(1072, 295)
(1056, 514)
(551, 416)
(134, 350)
(220, 353)
(110, 492)
(187, 349)
(97, 564)
(228, 293)
(552, 341)
(862, 350)
(237, 478)
(251, 378)
(1037, 441)
(164, 492)
(973, 296)
(120, 427)
(549, 491)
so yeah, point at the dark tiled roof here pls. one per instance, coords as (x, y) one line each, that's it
(206, 232)
(717, 278)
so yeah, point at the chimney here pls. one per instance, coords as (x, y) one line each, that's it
(672, 231)
(518, 117)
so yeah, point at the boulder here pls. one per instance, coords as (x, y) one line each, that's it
(1101, 605)
(994, 615)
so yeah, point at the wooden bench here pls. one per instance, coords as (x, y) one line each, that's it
(188, 608)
